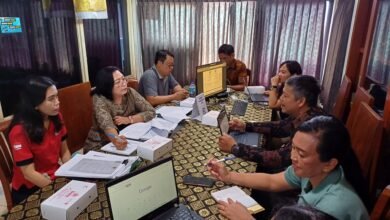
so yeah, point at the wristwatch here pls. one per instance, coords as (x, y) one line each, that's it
(274, 87)
(235, 149)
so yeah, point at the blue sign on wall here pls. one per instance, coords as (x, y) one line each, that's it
(9, 25)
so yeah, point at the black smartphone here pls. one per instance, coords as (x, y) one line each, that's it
(198, 181)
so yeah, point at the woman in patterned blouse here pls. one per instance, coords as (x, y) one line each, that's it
(115, 107)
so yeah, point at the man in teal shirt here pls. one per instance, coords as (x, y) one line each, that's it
(323, 165)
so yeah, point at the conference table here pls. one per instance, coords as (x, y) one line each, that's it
(193, 144)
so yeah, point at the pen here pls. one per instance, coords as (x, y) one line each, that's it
(223, 159)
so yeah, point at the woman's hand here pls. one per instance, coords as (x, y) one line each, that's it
(120, 142)
(226, 142)
(120, 120)
(275, 80)
(237, 125)
(218, 170)
(234, 210)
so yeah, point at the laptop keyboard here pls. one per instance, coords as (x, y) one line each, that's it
(239, 107)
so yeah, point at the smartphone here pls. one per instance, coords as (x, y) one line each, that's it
(198, 181)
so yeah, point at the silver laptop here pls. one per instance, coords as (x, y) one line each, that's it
(149, 193)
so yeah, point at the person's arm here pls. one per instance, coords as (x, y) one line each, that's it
(30, 174)
(65, 153)
(269, 159)
(260, 181)
(273, 99)
(157, 100)
(280, 129)
(242, 78)
(119, 142)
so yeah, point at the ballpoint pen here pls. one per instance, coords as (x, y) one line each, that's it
(223, 159)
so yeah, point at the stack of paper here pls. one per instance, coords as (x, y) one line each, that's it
(237, 194)
(161, 126)
(188, 102)
(96, 165)
(130, 148)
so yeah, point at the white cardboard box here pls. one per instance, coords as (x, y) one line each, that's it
(154, 148)
(68, 202)
(210, 118)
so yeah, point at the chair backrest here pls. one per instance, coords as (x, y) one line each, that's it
(76, 108)
(133, 83)
(382, 206)
(343, 97)
(6, 162)
(248, 77)
(366, 138)
(361, 95)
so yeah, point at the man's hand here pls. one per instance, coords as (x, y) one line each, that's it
(234, 210)
(226, 142)
(181, 94)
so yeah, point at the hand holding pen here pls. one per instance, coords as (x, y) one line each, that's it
(218, 170)
(119, 142)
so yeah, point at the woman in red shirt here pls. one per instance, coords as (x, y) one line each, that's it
(37, 137)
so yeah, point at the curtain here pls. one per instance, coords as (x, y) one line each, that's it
(46, 46)
(193, 31)
(337, 49)
(135, 48)
(102, 41)
(288, 30)
(379, 61)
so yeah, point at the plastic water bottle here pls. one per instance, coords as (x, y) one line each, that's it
(192, 90)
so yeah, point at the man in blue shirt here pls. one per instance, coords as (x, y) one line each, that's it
(157, 84)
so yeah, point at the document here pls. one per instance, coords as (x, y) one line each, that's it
(137, 130)
(163, 124)
(188, 102)
(237, 194)
(130, 148)
(173, 114)
(96, 165)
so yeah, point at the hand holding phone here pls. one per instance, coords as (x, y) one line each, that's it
(198, 181)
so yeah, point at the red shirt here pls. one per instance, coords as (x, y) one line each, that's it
(45, 155)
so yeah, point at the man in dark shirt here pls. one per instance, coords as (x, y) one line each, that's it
(236, 73)
(299, 101)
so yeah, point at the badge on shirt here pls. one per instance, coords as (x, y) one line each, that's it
(17, 146)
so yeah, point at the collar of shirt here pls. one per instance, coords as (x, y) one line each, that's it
(158, 74)
(311, 196)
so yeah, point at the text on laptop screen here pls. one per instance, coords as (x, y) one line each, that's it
(211, 78)
(141, 194)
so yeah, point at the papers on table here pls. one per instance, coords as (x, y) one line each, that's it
(96, 165)
(188, 102)
(174, 114)
(130, 148)
(237, 194)
(162, 126)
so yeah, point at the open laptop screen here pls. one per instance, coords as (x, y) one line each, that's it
(140, 193)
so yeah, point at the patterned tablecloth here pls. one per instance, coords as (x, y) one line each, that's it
(193, 144)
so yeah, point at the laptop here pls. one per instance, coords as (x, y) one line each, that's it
(256, 97)
(148, 193)
(247, 138)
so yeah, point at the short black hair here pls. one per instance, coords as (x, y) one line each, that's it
(226, 49)
(161, 55)
(105, 82)
(305, 86)
(302, 212)
(293, 67)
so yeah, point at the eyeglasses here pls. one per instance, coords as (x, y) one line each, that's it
(120, 80)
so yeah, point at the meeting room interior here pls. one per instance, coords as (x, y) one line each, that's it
(200, 97)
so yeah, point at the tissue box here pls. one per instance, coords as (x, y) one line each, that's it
(154, 148)
(68, 202)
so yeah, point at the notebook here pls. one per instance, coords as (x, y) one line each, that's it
(149, 193)
(247, 138)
